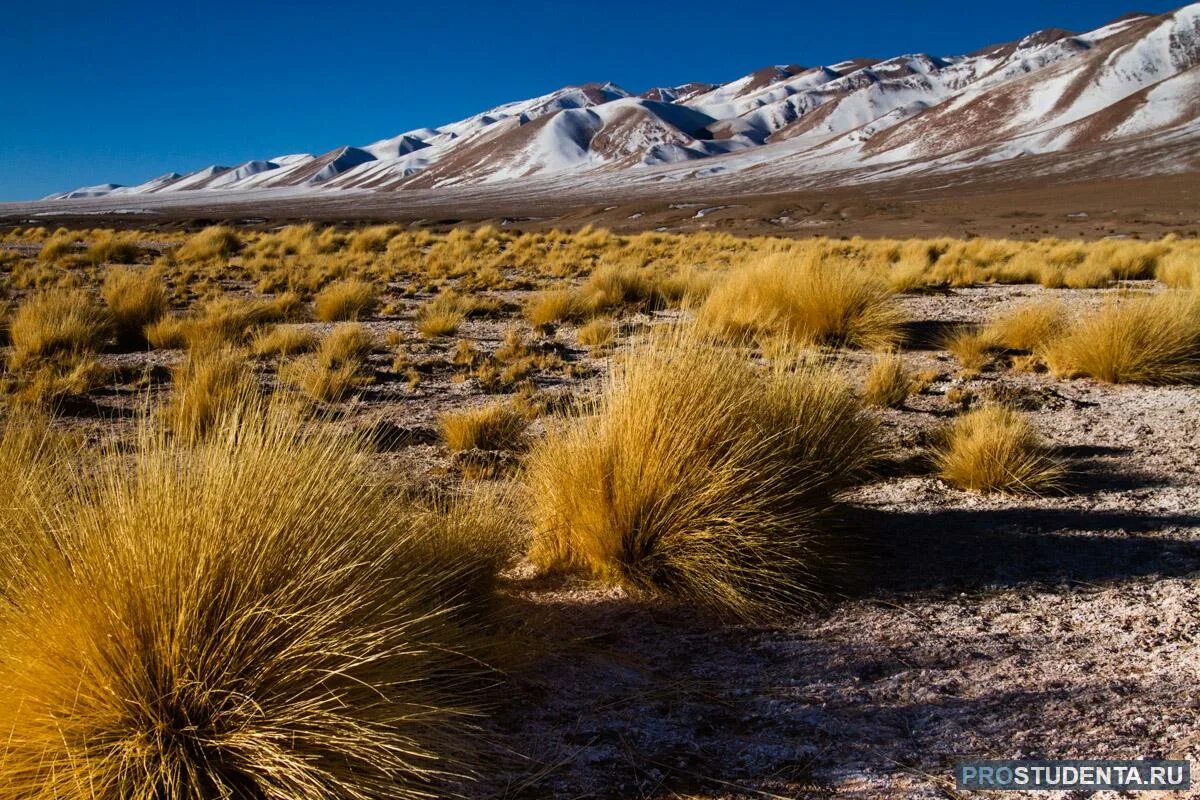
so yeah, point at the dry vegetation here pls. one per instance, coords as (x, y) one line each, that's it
(262, 493)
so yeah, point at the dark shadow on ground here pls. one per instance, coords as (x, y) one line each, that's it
(956, 549)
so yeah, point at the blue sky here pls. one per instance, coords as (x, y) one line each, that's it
(123, 91)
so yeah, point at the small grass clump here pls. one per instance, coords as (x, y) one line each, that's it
(492, 427)
(253, 616)
(207, 385)
(1027, 327)
(972, 347)
(551, 306)
(1153, 339)
(135, 299)
(221, 322)
(699, 476)
(113, 248)
(441, 316)
(805, 302)
(57, 322)
(284, 340)
(995, 449)
(346, 300)
(889, 381)
(337, 368)
(597, 334)
(212, 243)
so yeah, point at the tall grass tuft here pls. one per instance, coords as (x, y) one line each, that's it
(1153, 339)
(995, 449)
(700, 476)
(250, 616)
(493, 427)
(805, 302)
(345, 300)
(135, 299)
(214, 242)
(889, 381)
(57, 322)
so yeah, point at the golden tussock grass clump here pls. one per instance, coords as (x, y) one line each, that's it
(699, 476)
(56, 322)
(113, 248)
(806, 302)
(345, 300)
(135, 299)
(212, 243)
(337, 368)
(492, 427)
(1153, 339)
(889, 381)
(249, 616)
(48, 384)
(1180, 269)
(597, 334)
(284, 340)
(373, 239)
(441, 316)
(552, 305)
(61, 243)
(207, 385)
(972, 347)
(1027, 327)
(995, 449)
(222, 322)
(35, 460)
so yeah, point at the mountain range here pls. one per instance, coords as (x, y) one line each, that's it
(1127, 93)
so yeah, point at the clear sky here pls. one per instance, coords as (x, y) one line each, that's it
(122, 91)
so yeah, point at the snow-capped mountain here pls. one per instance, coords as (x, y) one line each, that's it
(1135, 80)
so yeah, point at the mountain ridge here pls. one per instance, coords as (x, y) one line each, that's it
(1134, 80)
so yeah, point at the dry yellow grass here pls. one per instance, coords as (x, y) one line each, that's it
(284, 340)
(1180, 270)
(1027, 327)
(1152, 339)
(60, 244)
(889, 381)
(805, 302)
(135, 299)
(973, 348)
(995, 449)
(552, 305)
(221, 322)
(346, 300)
(441, 316)
(492, 427)
(337, 368)
(54, 323)
(212, 243)
(207, 385)
(113, 248)
(598, 333)
(699, 476)
(254, 616)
